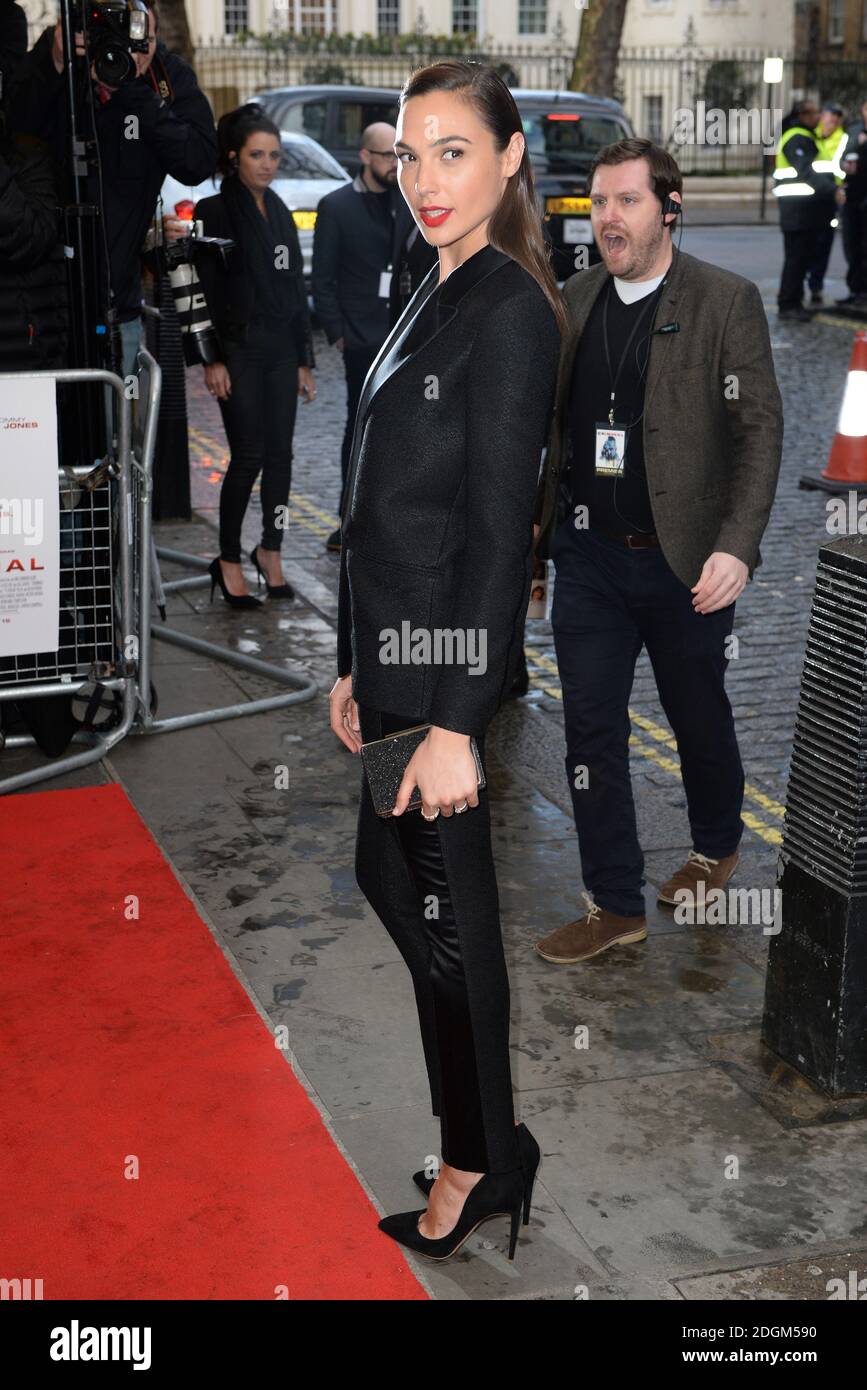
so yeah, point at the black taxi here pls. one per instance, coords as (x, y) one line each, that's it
(564, 131)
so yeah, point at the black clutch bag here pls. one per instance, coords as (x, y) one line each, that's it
(385, 761)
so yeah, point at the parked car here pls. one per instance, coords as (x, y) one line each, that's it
(333, 116)
(306, 173)
(564, 131)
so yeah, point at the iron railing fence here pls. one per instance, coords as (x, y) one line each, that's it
(656, 85)
(671, 97)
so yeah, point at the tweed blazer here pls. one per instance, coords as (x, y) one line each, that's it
(713, 417)
(438, 510)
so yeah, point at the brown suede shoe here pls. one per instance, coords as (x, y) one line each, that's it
(715, 872)
(594, 932)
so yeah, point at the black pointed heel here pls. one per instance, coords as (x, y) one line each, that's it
(495, 1194)
(274, 590)
(530, 1154)
(233, 600)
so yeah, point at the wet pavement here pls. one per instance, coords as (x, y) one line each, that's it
(681, 1160)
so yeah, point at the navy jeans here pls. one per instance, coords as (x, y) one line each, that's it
(610, 601)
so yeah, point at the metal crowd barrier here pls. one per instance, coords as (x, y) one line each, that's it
(106, 627)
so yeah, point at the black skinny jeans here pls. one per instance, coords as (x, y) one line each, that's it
(259, 420)
(404, 866)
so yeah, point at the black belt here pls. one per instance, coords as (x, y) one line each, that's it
(633, 540)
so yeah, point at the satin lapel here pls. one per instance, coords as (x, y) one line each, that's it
(401, 328)
(388, 356)
(666, 313)
(388, 361)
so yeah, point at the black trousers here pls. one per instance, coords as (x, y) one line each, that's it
(818, 267)
(854, 221)
(357, 362)
(259, 420)
(609, 602)
(799, 250)
(433, 886)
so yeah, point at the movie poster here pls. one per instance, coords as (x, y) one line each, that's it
(29, 517)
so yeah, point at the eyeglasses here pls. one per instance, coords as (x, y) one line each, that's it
(382, 154)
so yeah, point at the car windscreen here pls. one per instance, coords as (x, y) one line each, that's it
(353, 118)
(306, 162)
(559, 138)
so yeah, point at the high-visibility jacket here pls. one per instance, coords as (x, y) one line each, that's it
(831, 150)
(805, 193)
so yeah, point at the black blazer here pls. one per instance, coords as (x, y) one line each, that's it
(353, 244)
(437, 524)
(230, 293)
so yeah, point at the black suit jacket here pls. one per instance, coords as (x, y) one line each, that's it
(437, 525)
(230, 293)
(712, 421)
(353, 245)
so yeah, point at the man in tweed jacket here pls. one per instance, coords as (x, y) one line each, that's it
(652, 540)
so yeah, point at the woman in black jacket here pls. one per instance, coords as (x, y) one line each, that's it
(259, 310)
(436, 563)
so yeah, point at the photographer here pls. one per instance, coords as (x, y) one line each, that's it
(156, 122)
(33, 327)
(13, 42)
(32, 267)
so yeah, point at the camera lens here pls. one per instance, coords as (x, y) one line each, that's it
(112, 64)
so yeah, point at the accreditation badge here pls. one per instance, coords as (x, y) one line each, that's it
(610, 449)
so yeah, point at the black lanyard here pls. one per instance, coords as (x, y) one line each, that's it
(652, 300)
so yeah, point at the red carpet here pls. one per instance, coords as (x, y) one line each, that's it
(129, 1045)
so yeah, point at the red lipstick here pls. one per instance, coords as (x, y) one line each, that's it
(432, 218)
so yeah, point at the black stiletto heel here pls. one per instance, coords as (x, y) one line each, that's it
(530, 1156)
(274, 590)
(495, 1194)
(233, 600)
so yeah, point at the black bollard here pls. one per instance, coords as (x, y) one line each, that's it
(816, 991)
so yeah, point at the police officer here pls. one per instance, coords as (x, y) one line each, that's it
(806, 197)
(831, 138)
(855, 212)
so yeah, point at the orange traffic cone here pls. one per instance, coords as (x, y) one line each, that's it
(846, 468)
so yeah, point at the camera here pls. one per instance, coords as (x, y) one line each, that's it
(115, 29)
(198, 338)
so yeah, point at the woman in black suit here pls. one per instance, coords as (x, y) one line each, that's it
(259, 310)
(437, 541)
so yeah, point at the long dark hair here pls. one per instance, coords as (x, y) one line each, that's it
(234, 130)
(515, 228)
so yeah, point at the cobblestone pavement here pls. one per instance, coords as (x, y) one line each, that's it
(632, 1201)
(771, 617)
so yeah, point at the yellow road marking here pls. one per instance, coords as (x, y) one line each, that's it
(852, 324)
(759, 827)
(331, 521)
